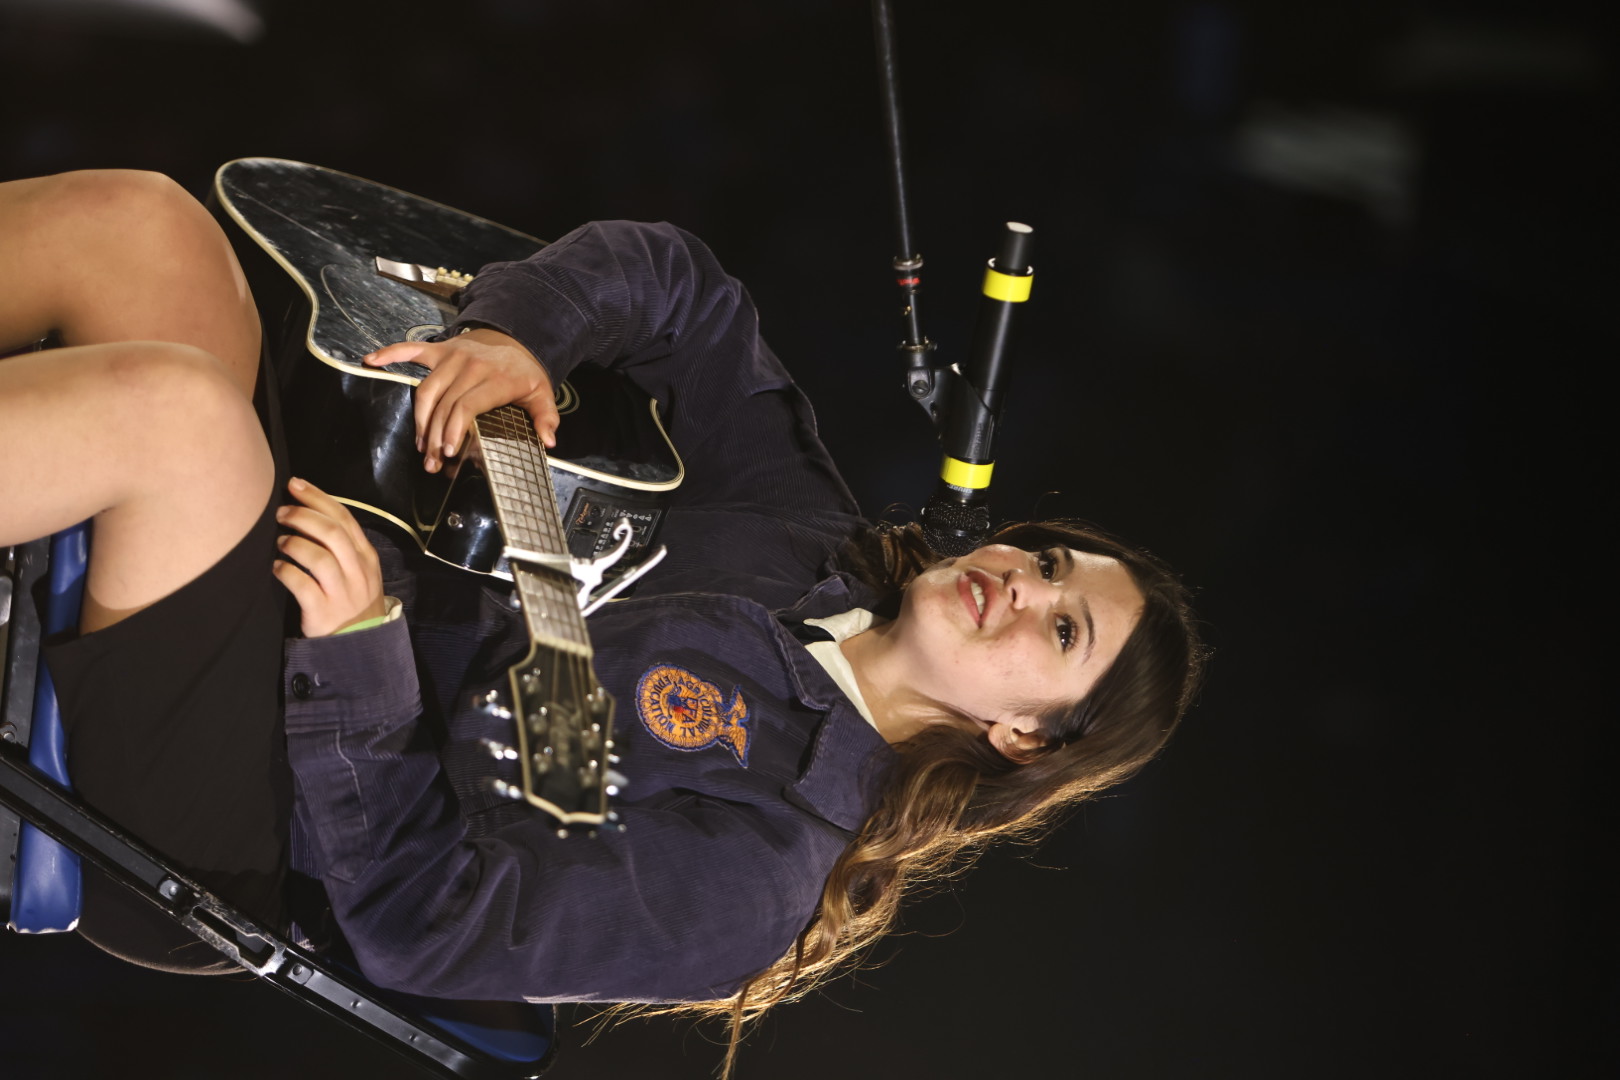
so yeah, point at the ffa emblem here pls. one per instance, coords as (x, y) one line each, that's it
(684, 712)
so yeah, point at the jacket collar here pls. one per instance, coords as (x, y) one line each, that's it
(845, 745)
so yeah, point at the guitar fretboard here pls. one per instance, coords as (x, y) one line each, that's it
(520, 486)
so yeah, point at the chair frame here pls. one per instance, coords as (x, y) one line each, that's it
(451, 1047)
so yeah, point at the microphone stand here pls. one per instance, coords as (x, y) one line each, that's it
(964, 408)
(922, 382)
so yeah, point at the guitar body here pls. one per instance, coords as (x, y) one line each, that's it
(308, 239)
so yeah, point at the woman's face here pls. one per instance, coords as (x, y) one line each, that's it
(1003, 634)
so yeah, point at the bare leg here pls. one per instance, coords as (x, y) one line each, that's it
(116, 255)
(154, 441)
(145, 422)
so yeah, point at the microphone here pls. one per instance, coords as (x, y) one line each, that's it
(956, 518)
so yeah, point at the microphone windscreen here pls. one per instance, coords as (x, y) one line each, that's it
(955, 528)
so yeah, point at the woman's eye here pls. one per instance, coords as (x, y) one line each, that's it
(1066, 632)
(1048, 564)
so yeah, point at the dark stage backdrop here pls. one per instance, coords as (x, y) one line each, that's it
(1322, 306)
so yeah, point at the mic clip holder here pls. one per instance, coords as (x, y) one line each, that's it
(929, 385)
(921, 376)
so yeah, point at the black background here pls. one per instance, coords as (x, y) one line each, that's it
(1367, 430)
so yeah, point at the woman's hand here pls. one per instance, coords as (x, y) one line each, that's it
(473, 373)
(341, 580)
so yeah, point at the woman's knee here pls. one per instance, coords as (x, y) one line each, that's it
(107, 391)
(158, 383)
(129, 256)
(125, 426)
(176, 410)
(124, 221)
(122, 198)
(197, 439)
(196, 474)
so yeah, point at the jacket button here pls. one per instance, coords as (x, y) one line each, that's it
(302, 686)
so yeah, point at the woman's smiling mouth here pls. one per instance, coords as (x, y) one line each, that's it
(974, 596)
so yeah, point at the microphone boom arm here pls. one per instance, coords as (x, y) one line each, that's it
(923, 381)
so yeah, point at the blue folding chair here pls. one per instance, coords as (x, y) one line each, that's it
(46, 831)
(45, 890)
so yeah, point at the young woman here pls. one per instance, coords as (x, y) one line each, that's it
(811, 712)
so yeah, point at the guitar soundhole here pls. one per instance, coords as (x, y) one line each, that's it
(424, 331)
(567, 398)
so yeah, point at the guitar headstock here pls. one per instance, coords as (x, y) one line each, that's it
(563, 723)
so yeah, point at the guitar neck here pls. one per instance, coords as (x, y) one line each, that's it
(520, 488)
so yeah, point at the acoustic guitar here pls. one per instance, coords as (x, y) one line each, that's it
(341, 266)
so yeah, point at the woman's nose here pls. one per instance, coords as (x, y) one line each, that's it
(1025, 588)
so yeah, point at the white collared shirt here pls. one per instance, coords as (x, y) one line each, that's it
(827, 653)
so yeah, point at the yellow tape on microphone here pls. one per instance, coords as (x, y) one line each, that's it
(965, 474)
(1012, 288)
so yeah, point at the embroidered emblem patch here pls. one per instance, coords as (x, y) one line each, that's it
(685, 712)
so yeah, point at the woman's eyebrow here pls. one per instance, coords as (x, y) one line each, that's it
(1091, 629)
(1085, 606)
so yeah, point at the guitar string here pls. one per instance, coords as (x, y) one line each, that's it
(514, 461)
(530, 465)
(511, 432)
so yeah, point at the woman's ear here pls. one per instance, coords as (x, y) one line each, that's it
(1018, 740)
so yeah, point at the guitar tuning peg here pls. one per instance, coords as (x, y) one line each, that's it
(613, 759)
(505, 790)
(499, 750)
(615, 781)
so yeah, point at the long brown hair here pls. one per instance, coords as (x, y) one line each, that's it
(950, 792)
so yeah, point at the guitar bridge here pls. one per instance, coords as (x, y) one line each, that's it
(436, 281)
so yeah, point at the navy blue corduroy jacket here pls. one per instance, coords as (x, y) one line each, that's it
(443, 888)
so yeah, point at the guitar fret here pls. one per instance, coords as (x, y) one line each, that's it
(517, 467)
(520, 483)
(551, 609)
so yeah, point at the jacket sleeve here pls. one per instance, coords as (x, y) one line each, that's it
(695, 896)
(652, 302)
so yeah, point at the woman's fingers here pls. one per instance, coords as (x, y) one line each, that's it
(460, 391)
(444, 360)
(337, 579)
(429, 395)
(542, 409)
(468, 375)
(327, 507)
(326, 537)
(318, 561)
(402, 352)
(305, 591)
